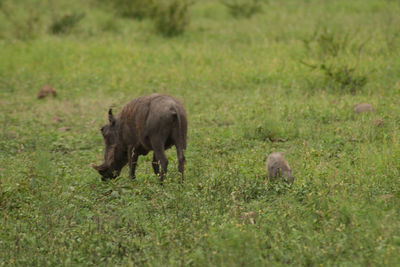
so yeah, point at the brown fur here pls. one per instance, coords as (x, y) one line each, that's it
(47, 90)
(364, 107)
(278, 167)
(153, 122)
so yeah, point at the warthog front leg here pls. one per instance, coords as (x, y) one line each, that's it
(155, 165)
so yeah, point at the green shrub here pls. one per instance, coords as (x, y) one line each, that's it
(243, 8)
(345, 77)
(65, 23)
(331, 53)
(137, 9)
(172, 16)
(110, 25)
(270, 128)
(23, 23)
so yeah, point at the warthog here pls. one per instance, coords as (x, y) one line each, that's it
(364, 107)
(278, 167)
(153, 122)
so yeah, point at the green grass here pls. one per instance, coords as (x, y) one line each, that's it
(243, 85)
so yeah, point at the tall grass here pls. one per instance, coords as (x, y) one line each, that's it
(247, 94)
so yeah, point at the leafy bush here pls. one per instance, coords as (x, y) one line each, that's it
(345, 77)
(243, 8)
(65, 23)
(110, 25)
(328, 49)
(172, 16)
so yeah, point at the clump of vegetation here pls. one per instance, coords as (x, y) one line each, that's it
(24, 24)
(270, 129)
(66, 23)
(341, 209)
(172, 16)
(343, 77)
(137, 9)
(327, 48)
(110, 25)
(243, 8)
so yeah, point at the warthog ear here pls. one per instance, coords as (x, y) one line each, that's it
(111, 117)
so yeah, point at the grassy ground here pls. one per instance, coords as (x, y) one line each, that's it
(251, 87)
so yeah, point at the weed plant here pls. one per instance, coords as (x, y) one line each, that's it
(23, 24)
(65, 23)
(172, 16)
(331, 52)
(137, 9)
(243, 9)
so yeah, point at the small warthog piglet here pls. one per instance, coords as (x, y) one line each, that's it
(364, 107)
(277, 167)
(153, 122)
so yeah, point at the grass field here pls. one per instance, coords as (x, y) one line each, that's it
(285, 79)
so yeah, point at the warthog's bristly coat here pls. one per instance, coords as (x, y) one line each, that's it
(278, 167)
(153, 122)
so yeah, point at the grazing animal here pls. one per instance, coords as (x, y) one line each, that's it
(364, 107)
(46, 91)
(153, 122)
(278, 167)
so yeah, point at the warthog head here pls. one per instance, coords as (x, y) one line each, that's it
(115, 155)
(287, 175)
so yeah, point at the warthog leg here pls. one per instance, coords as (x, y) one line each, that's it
(132, 161)
(181, 161)
(155, 165)
(159, 153)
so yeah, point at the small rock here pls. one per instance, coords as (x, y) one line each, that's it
(63, 129)
(12, 134)
(364, 107)
(386, 196)
(56, 119)
(378, 122)
(47, 90)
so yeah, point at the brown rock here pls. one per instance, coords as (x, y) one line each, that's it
(386, 196)
(47, 90)
(364, 107)
(378, 122)
(63, 129)
(56, 119)
(12, 134)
